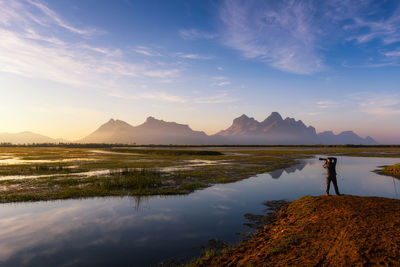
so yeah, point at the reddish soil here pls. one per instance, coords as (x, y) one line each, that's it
(324, 231)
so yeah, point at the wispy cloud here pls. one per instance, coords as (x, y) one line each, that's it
(224, 83)
(194, 34)
(69, 64)
(195, 56)
(219, 98)
(31, 47)
(278, 33)
(218, 78)
(103, 50)
(387, 30)
(160, 96)
(164, 73)
(327, 104)
(292, 36)
(52, 16)
(373, 64)
(144, 50)
(29, 12)
(220, 81)
(378, 104)
(392, 54)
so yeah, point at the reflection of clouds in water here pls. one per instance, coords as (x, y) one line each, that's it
(221, 207)
(91, 230)
(222, 189)
(93, 224)
(222, 192)
(15, 230)
(159, 218)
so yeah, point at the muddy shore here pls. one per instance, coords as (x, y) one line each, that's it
(323, 231)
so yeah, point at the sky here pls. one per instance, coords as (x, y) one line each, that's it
(68, 66)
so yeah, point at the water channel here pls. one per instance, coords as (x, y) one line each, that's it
(144, 231)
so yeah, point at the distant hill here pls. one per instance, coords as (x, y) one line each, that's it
(347, 137)
(152, 131)
(244, 130)
(27, 138)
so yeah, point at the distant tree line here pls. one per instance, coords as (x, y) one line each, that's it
(105, 145)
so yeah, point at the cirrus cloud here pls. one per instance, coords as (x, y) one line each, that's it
(294, 35)
(35, 43)
(279, 34)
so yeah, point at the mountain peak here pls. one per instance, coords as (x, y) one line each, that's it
(113, 122)
(151, 119)
(244, 119)
(348, 133)
(113, 125)
(326, 134)
(274, 117)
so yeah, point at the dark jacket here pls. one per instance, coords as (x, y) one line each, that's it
(330, 167)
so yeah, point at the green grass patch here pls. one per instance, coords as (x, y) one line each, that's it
(170, 152)
(139, 171)
(393, 170)
(193, 186)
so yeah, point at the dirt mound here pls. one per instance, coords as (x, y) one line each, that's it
(324, 231)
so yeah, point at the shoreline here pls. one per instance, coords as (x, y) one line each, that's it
(324, 231)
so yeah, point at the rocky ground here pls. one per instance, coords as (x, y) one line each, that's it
(323, 231)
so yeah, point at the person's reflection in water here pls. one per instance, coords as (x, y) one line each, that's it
(330, 166)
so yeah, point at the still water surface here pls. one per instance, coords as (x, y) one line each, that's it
(142, 232)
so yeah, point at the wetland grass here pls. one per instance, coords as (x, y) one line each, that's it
(170, 152)
(139, 171)
(392, 170)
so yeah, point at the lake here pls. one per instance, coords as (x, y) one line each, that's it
(144, 231)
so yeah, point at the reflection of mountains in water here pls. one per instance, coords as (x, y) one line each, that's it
(298, 167)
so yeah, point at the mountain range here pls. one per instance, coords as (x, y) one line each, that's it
(152, 131)
(244, 130)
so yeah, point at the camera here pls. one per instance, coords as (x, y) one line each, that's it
(322, 159)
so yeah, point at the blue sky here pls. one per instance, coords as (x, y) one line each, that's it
(68, 66)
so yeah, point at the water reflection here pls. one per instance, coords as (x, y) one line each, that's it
(141, 231)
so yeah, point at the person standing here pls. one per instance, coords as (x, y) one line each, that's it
(330, 166)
